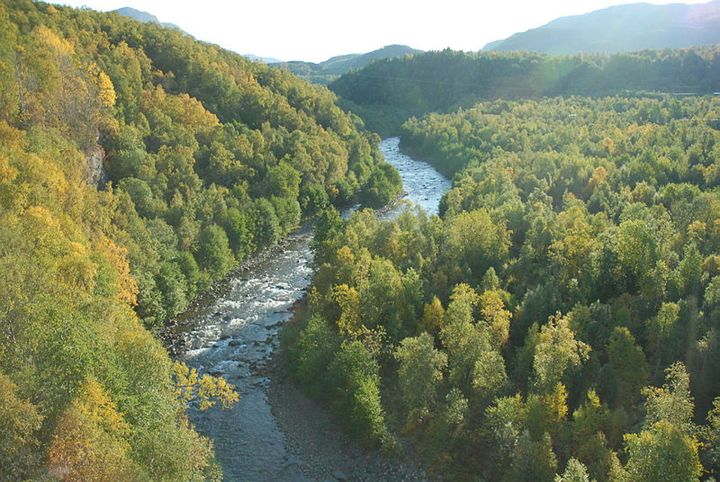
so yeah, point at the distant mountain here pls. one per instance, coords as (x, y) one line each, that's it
(344, 63)
(624, 28)
(144, 17)
(327, 71)
(264, 60)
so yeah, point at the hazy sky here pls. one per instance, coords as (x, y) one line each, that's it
(318, 29)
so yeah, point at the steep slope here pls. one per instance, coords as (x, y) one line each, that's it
(146, 17)
(209, 157)
(624, 28)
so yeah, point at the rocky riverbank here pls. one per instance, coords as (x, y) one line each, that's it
(275, 433)
(314, 436)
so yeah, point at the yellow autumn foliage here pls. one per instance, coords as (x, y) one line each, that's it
(90, 440)
(105, 87)
(206, 389)
(127, 287)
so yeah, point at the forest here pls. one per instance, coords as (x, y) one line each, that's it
(137, 167)
(558, 321)
(388, 92)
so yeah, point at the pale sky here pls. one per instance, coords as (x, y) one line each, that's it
(315, 30)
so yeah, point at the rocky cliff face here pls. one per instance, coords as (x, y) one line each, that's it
(96, 175)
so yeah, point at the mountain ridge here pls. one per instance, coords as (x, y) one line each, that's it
(621, 28)
(260, 58)
(328, 70)
(144, 17)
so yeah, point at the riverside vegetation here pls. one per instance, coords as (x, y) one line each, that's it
(208, 158)
(559, 320)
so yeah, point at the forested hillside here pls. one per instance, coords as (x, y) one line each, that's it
(207, 157)
(561, 316)
(388, 92)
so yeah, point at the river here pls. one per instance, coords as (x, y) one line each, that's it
(278, 435)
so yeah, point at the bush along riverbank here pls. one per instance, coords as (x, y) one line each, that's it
(318, 435)
(559, 319)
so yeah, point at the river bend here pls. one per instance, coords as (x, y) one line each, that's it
(235, 335)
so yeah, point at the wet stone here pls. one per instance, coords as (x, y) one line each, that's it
(340, 475)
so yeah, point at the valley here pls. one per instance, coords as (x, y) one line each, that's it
(453, 263)
(236, 337)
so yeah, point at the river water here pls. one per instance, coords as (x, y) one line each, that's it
(235, 335)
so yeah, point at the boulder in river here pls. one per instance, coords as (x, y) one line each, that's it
(340, 475)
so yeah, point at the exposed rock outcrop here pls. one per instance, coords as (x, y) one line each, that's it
(96, 175)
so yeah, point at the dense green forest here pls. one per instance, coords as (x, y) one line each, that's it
(208, 158)
(388, 92)
(560, 319)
